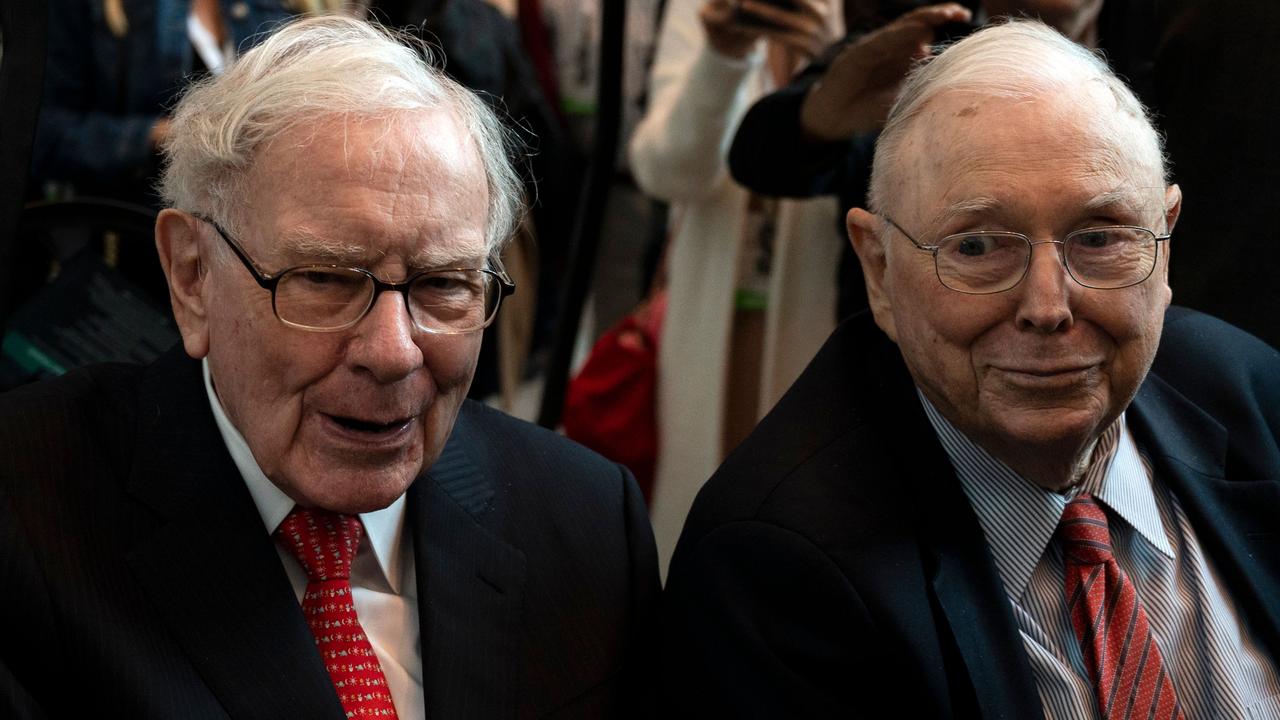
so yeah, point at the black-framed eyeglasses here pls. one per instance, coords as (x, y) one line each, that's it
(992, 261)
(327, 298)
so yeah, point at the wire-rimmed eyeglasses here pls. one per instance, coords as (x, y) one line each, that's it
(992, 261)
(327, 298)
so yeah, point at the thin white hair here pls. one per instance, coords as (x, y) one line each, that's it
(1015, 59)
(313, 70)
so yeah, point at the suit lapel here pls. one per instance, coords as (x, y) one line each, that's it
(1234, 517)
(964, 578)
(210, 567)
(470, 585)
(970, 593)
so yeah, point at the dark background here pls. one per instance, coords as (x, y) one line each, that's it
(22, 25)
(1218, 95)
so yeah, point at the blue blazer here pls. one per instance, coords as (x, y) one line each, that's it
(834, 568)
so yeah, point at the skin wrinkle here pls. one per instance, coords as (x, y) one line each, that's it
(278, 384)
(311, 247)
(303, 245)
(1035, 172)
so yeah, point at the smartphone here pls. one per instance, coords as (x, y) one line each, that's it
(743, 17)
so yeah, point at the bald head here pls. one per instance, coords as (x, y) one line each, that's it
(998, 67)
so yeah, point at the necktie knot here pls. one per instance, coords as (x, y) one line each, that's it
(323, 542)
(1086, 538)
(1119, 649)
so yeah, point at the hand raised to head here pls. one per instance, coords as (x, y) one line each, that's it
(804, 30)
(855, 94)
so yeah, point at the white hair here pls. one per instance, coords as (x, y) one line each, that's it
(1017, 59)
(318, 68)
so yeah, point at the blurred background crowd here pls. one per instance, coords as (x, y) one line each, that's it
(689, 163)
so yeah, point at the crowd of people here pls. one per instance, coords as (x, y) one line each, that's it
(964, 459)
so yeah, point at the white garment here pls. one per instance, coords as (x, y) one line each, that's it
(383, 580)
(679, 153)
(216, 58)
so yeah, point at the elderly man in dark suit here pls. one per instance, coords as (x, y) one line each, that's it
(982, 499)
(301, 516)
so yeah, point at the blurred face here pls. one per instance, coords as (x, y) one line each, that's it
(1034, 373)
(346, 420)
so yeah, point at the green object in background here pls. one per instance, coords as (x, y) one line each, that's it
(89, 313)
(744, 299)
(29, 357)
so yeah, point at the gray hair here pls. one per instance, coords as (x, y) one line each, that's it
(320, 67)
(1017, 59)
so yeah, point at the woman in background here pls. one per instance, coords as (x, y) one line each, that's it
(750, 299)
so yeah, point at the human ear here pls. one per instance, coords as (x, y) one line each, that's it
(1172, 207)
(178, 245)
(864, 234)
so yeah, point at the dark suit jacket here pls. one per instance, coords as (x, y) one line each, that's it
(833, 566)
(136, 579)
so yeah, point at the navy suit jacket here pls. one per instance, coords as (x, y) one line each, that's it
(834, 568)
(136, 579)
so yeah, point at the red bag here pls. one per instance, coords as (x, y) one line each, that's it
(610, 405)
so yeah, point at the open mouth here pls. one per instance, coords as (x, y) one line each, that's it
(366, 426)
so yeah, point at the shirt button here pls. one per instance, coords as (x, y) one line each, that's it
(240, 10)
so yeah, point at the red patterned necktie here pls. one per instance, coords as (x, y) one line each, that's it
(325, 543)
(1119, 649)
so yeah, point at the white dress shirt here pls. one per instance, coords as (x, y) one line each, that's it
(383, 582)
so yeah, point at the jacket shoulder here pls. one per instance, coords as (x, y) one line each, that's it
(87, 412)
(524, 442)
(1193, 341)
(1227, 373)
(837, 410)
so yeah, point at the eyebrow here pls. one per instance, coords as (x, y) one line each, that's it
(307, 244)
(439, 258)
(1127, 198)
(973, 206)
(968, 206)
(304, 243)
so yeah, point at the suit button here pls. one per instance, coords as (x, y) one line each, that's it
(240, 10)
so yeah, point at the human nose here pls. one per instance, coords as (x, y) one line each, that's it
(384, 344)
(1045, 301)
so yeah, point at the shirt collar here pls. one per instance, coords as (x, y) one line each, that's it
(1127, 489)
(382, 527)
(1018, 517)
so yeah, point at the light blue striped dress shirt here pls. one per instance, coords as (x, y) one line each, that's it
(1218, 670)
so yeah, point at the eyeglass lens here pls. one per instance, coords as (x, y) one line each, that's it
(1112, 257)
(442, 301)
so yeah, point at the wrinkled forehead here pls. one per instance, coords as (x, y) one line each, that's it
(321, 189)
(354, 148)
(962, 142)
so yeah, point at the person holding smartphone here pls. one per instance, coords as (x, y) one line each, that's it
(731, 339)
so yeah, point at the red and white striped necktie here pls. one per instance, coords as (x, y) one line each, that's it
(1128, 672)
(325, 544)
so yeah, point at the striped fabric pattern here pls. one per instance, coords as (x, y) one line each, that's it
(1219, 670)
(1128, 670)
